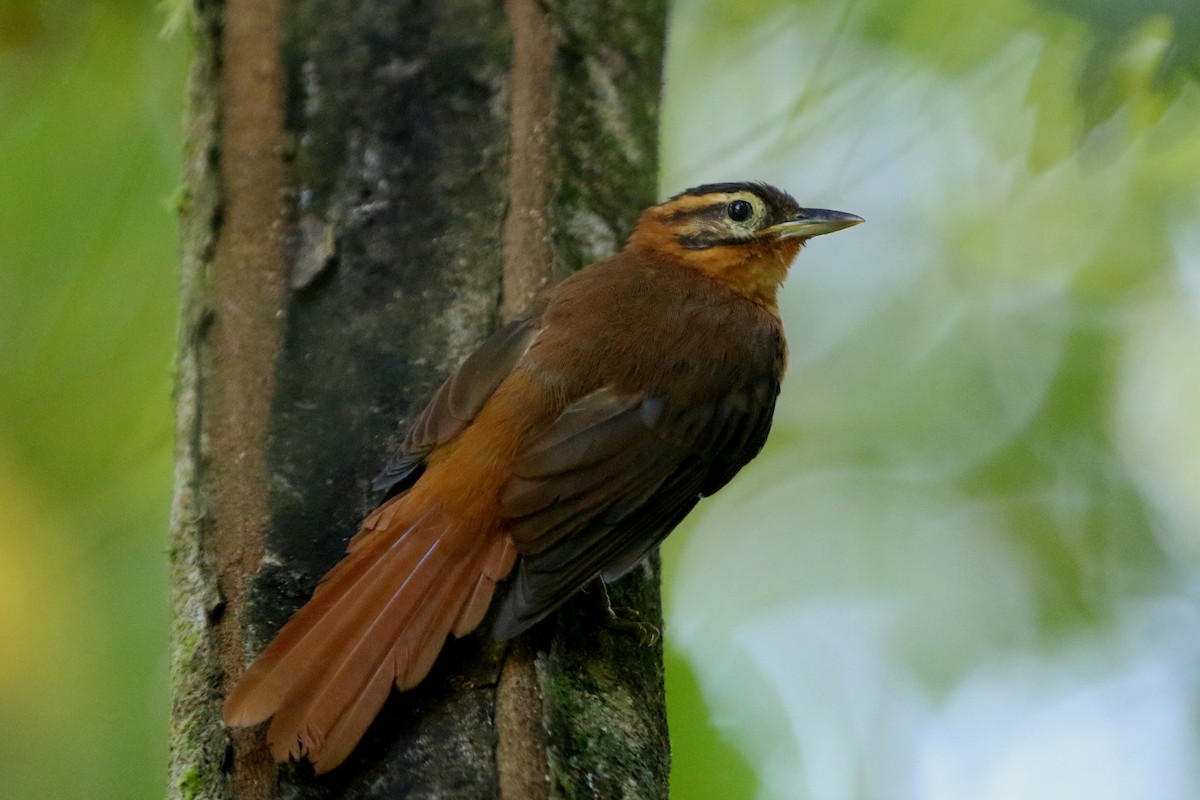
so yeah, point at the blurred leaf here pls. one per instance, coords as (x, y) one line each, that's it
(1118, 23)
(706, 765)
(20, 23)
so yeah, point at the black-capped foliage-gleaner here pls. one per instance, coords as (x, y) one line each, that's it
(564, 449)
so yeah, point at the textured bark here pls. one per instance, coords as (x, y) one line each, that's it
(370, 186)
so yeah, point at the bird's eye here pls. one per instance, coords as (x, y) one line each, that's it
(739, 210)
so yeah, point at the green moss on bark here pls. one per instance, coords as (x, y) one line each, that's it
(197, 740)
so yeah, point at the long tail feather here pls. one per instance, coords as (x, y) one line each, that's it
(380, 617)
(337, 674)
(331, 723)
(304, 643)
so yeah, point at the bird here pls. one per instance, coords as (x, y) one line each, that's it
(562, 450)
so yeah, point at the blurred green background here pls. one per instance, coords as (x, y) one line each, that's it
(90, 103)
(965, 567)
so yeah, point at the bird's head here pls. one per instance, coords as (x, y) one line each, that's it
(742, 234)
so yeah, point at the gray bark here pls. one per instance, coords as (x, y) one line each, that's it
(371, 185)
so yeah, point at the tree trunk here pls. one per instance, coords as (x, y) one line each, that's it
(372, 185)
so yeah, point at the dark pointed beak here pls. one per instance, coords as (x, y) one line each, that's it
(812, 222)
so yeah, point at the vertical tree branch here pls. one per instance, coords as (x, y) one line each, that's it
(445, 161)
(246, 303)
(532, 165)
(233, 300)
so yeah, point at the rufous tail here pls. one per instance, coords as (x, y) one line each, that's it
(413, 575)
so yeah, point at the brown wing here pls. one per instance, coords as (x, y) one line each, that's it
(610, 478)
(457, 402)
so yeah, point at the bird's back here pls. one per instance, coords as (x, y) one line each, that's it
(641, 326)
